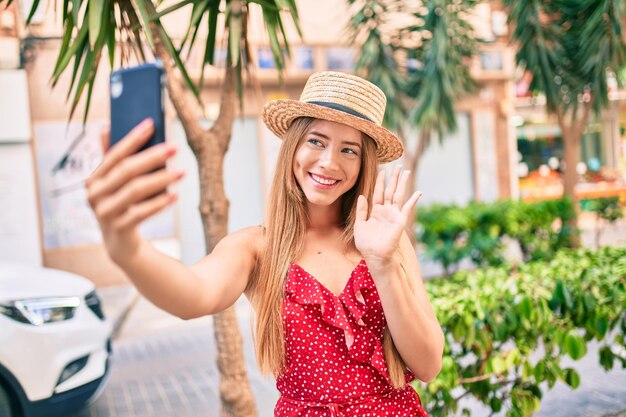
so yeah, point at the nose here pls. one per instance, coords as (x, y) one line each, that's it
(328, 159)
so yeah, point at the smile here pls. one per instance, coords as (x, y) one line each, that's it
(323, 180)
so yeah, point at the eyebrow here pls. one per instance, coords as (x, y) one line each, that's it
(346, 142)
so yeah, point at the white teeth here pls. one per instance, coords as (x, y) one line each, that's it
(323, 180)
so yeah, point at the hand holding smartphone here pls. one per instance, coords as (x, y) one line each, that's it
(131, 184)
(136, 93)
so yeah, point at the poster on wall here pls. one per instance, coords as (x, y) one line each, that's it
(66, 154)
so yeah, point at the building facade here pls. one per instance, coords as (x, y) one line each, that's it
(477, 162)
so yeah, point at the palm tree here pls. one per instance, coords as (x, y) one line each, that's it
(421, 66)
(131, 28)
(569, 46)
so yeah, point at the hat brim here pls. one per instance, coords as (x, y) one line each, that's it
(279, 114)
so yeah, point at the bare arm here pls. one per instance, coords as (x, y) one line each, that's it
(209, 286)
(412, 323)
(413, 326)
(129, 187)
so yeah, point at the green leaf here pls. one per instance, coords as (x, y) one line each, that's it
(209, 49)
(572, 378)
(540, 371)
(498, 365)
(527, 370)
(194, 23)
(458, 330)
(63, 60)
(167, 42)
(480, 313)
(67, 36)
(76, 5)
(33, 9)
(607, 358)
(525, 307)
(146, 18)
(96, 14)
(496, 404)
(234, 35)
(512, 357)
(575, 345)
(86, 73)
(110, 41)
(602, 325)
(178, 5)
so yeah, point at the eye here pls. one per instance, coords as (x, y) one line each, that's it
(349, 151)
(314, 142)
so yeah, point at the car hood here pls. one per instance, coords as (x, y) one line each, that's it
(18, 281)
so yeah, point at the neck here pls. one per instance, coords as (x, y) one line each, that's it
(324, 217)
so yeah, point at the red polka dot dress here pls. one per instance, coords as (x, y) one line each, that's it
(334, 365)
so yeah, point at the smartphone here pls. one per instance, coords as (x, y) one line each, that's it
(136, 93)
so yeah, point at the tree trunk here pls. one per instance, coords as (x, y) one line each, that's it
(571, 150)
(209, 148)
(572, 132)
(235, 392)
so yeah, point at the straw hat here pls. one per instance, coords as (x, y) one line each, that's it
(338, 97)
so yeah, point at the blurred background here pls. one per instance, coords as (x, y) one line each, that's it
(513, 117)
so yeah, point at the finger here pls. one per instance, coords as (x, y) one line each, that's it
(133, 166)
(392, 184)
(125, 147)
(377, 197)
(398, 196)
(361, 208)
(142, 211)
(410, 204)
(139, 189)
(105, 137)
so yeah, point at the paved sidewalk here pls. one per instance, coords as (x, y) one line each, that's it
(170, 371)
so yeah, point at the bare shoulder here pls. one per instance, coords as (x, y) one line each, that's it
(247, 242)
(233, 259)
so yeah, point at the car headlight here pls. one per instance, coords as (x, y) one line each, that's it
(38, 311)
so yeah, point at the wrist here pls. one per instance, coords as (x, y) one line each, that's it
(382, 265)
(125, 252)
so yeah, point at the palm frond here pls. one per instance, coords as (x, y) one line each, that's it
(422, 68)
(568, 46)
(124, 27)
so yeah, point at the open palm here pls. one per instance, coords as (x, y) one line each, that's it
(378, 236)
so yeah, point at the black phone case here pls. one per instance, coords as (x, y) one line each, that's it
(137, 93)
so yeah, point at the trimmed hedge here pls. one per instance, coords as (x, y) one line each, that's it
(495, 318)
(451, 233)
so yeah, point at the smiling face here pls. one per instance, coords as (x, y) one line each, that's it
(328, 161)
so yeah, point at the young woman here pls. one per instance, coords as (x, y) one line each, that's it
(342, 318)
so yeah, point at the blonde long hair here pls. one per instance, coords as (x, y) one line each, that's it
(284, 238)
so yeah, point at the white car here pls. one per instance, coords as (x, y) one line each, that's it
(54, 342)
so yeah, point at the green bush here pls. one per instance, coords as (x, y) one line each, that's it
(451, 233)
(540, 228)
(495, 318)
(608, 210)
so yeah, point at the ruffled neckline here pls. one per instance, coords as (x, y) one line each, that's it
(322, 286)
(363, 344)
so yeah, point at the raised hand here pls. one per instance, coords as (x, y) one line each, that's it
(378, 236)
(129, 187)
